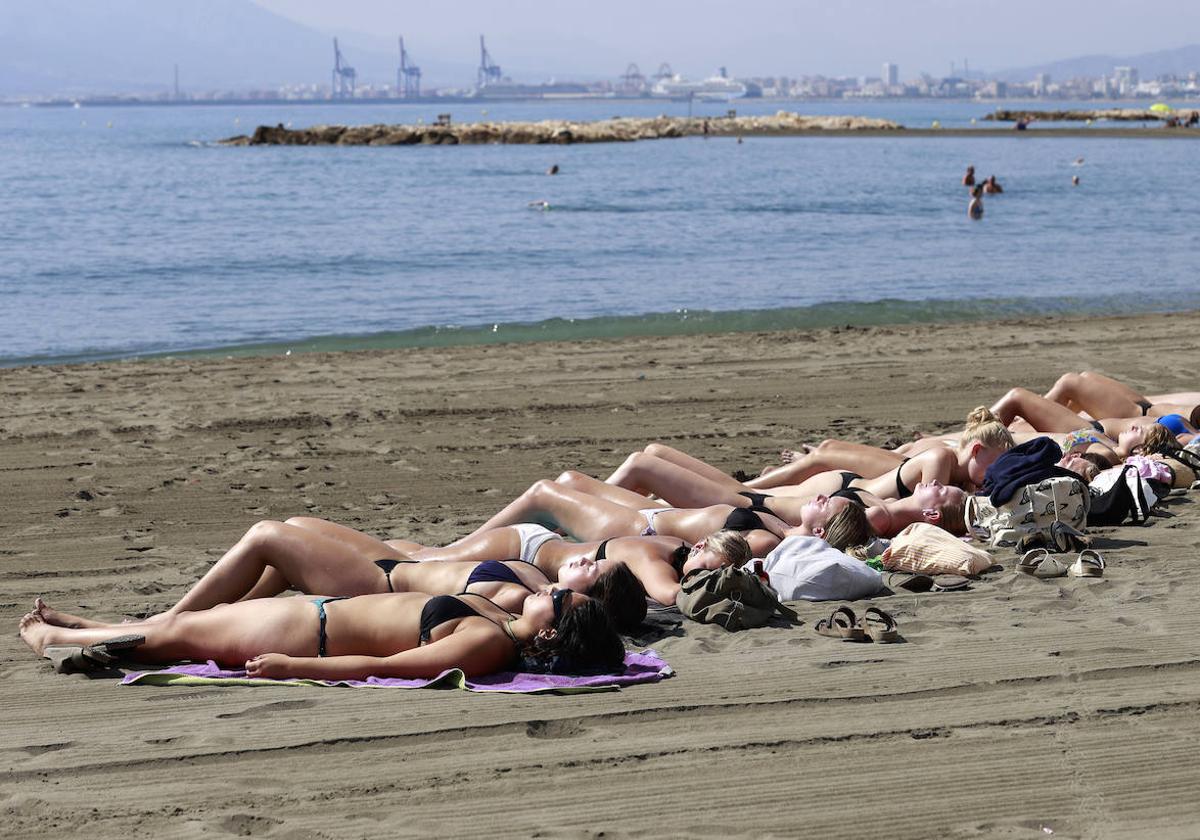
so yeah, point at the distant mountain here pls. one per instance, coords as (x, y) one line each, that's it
(1178, 62)
(77, 47)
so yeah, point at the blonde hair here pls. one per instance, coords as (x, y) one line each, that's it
(731, 545)
(985, 427)
(848, 527)
(954, 516)
(1157, 438)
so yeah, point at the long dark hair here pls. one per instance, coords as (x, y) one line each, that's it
(586, 642)
(623, 595)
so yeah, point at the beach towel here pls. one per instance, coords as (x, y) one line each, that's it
(810, 569)
(639, 668)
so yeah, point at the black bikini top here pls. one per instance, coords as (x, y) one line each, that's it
(851, 493)
(601, 552)
(743, 519)
(902, 492)
(758, 502)
(495, 571)
(442, 608)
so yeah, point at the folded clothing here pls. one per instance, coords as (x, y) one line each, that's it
(810, 569)
(639, 668)
(1027, 463)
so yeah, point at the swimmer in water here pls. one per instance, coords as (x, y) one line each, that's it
(553, 170)
(1078, 162)
(1074, 180)
(975, 208)
(991, 186)
(969, 179)
(539, 205)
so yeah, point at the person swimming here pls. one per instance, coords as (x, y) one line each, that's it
(539, 205)
(968, 180)
(553, 170)
(975, 208)
(991, 185)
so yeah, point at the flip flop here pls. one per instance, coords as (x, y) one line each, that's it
(879, 626)
(1038, 563)
(951, 583)
(841, 624)
(71, 659)
(909, 581)
(1088, 564)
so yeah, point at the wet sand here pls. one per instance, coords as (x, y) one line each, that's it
(1017, 706)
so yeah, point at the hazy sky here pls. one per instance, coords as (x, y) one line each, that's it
(758, 37)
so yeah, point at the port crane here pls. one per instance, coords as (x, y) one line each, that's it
(489, 71)
(664, 72)
(632, 81)
(343, 77)
(408, 76)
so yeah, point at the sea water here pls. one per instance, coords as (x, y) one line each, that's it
(126, 231)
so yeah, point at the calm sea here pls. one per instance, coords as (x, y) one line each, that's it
(124, 231)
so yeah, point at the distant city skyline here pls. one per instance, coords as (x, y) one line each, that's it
(795, 37)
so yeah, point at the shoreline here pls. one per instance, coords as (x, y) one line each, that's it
(850, 314)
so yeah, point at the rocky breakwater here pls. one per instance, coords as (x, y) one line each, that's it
(618, 130)
(1114, 114)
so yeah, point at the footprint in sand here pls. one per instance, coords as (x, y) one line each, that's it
(269, 708)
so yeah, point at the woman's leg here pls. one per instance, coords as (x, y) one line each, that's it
(667, 480)
(582, 483)
(1096, 394)
(583, 516)
(300, 558)
(496, 544)
(668, 453)
(867, 461)
(229, 634)
(1041, 413)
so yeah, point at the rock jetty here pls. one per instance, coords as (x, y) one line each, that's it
(617, 130)
(1114, 114)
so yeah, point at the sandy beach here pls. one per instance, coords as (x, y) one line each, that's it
(1016, 709)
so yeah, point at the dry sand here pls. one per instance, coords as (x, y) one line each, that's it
(1022, 704)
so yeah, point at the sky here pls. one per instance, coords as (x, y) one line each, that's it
(758, 37)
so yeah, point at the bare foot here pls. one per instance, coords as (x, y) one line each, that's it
(61, 619)
(35, 632)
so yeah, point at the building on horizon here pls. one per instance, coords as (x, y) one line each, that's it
(891, 74)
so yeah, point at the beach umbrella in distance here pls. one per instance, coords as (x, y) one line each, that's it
(1160, 108)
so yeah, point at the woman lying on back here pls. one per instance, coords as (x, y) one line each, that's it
(1102, 396)
(315, 556)
(656, 564)
(982, 440)
(394, 635)
(588, 509)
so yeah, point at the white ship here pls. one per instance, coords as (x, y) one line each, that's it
(718, 88)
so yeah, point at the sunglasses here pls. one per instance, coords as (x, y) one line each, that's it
(559, 596)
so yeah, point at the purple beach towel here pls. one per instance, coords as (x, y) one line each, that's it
(639, 668)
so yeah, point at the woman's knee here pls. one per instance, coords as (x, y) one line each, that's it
(265, 531)
(657, 450)
(570, 478)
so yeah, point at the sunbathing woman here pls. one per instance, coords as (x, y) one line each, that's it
(982, 440)
(315, 556)
(401, 635)
(600, 511)
(1101, 396)
(1043, 415)
(656, 563)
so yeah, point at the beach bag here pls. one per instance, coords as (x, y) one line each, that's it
(1119, 494)
(806, 568)
(1045, 513)
(929, 550)
(1182, 475)
(730, 597)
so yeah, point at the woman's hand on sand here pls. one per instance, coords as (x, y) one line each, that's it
(270, 665)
